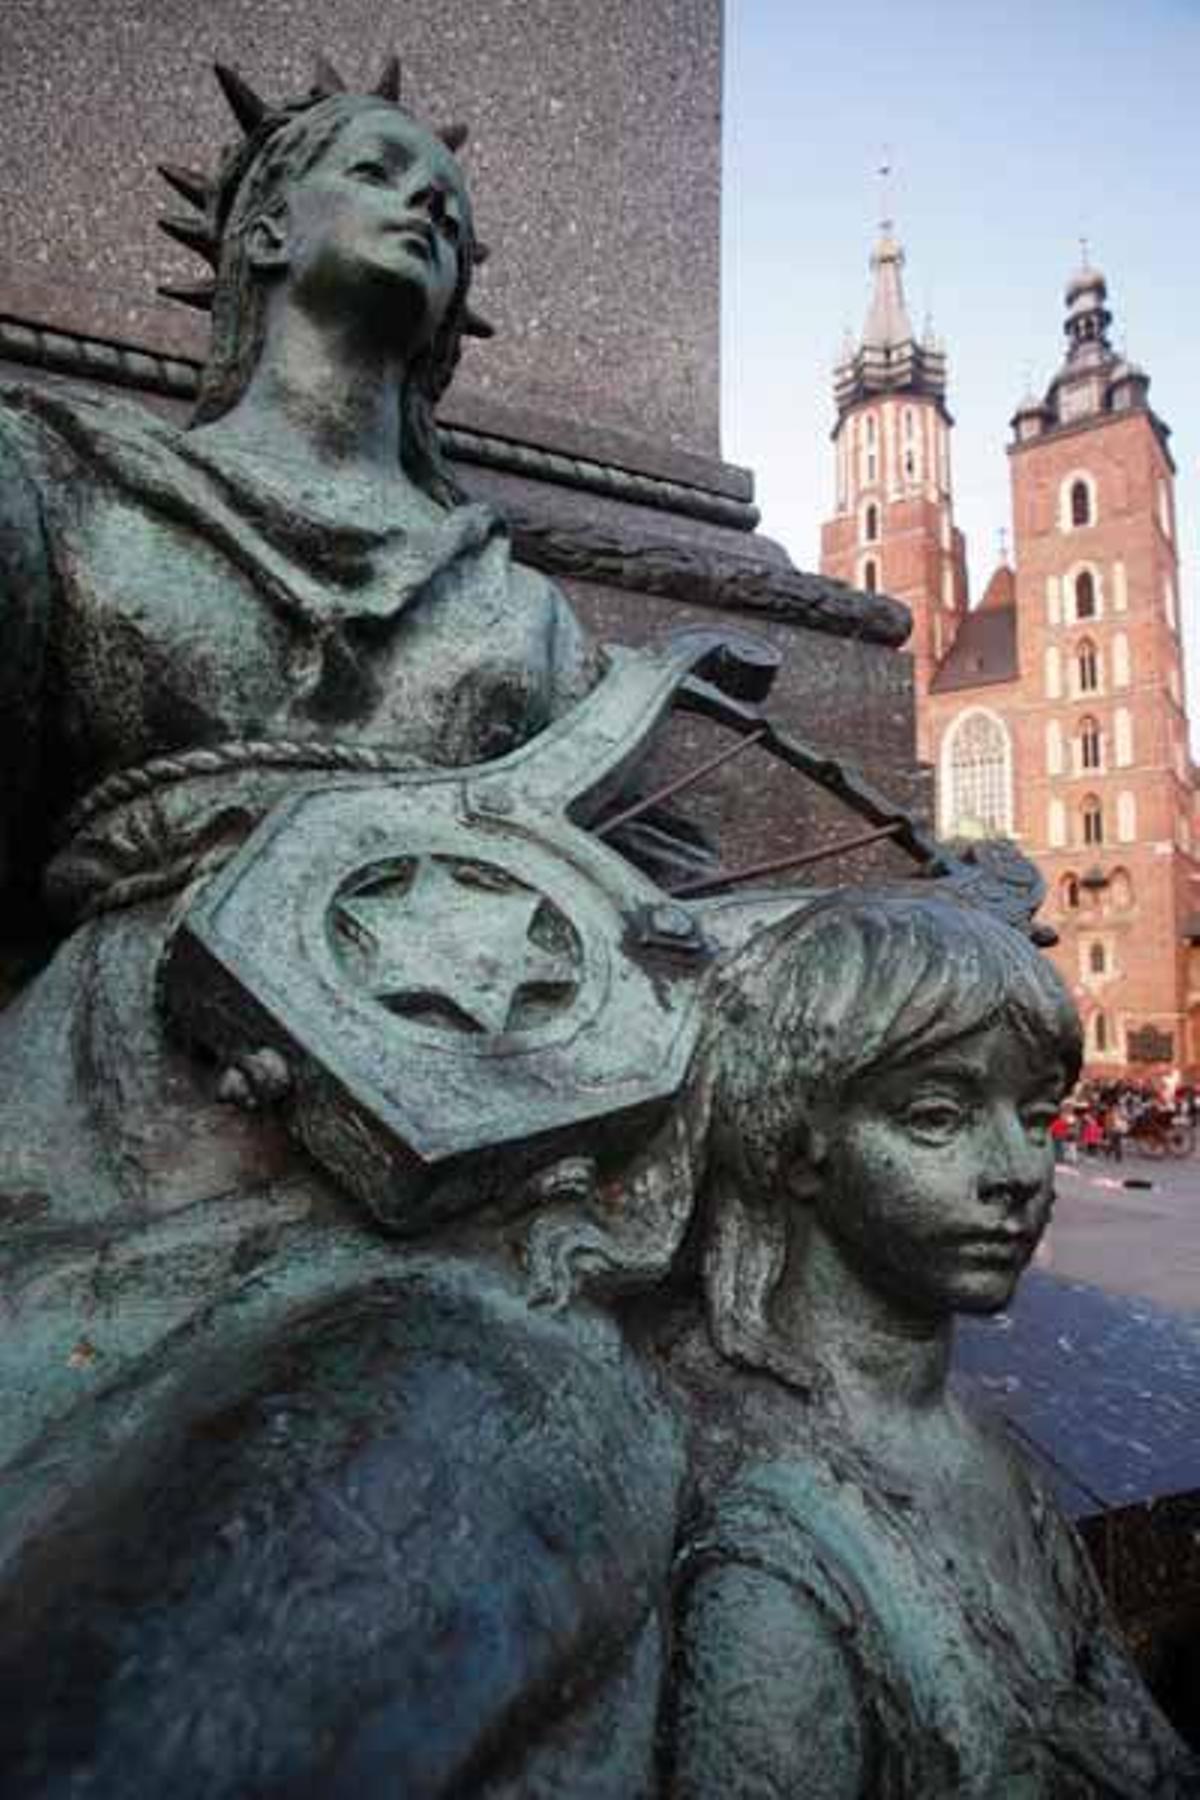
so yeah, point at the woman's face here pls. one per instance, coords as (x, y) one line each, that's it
(939, 1176)
(374, 229)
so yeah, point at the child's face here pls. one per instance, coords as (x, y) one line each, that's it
(939, 1176)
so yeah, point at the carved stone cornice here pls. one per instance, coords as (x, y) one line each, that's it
(706, 575)
(148, 371)
(623, 557)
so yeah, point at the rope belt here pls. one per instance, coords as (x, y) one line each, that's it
(140, 835)
(218, 759)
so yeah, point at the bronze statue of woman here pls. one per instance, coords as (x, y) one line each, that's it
(194, 624)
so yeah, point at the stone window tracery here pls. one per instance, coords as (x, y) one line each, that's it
(1091, 818)
(1091, 743)
(1081, 504)
(1087, 665)
(977, 775)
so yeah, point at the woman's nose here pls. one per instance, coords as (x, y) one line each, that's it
(425, 196)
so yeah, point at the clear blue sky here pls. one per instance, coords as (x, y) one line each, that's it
(1014, 129)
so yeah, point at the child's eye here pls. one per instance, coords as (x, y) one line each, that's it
(1037, 1121)
(935, 1118)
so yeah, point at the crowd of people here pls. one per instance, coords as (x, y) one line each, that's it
(1105, 1118)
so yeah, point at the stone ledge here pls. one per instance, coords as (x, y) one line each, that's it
(104, 360)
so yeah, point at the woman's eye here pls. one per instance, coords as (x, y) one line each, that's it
(370, 171)
(450, 227)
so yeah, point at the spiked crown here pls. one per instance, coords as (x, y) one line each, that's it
(211, 197)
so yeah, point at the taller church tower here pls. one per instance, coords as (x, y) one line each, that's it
(893, 529)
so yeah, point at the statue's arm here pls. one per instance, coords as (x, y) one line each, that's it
(764, 1704)
(24, 616)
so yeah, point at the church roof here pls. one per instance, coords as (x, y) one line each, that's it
(985, 650)
(1001, 590)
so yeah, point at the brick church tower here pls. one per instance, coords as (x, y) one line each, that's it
(1106, 786)
(893, 528)
(1057, 714)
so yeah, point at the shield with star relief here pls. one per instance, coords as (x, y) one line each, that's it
(444, 979)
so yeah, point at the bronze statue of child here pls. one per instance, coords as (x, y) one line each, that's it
(878, 1596)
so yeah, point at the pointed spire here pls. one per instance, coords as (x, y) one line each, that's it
(888, 357)
(888, 324)
(245, 105)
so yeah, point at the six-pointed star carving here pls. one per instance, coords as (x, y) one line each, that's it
(464, 947)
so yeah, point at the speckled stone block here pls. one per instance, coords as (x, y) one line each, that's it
(594, 162)
(1104, 1392)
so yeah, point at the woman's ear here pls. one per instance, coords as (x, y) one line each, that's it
(267, 244)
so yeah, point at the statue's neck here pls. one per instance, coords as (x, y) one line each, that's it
(322, 397)
(869, 1350)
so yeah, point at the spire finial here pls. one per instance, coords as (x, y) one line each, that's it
(1084, 249)
(885, 171)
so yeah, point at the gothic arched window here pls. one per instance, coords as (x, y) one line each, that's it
(1091, 743)
(1085, 589)
(1091, 815)
(1100, 1033)
(870, 576)
(871, 527)
(977, 773)
(1087, 663)
(1097, 959)
(1081, 504)
(1069, 892)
